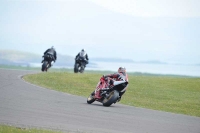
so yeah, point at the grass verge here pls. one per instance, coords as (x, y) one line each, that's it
(11, 129)
(166, 93)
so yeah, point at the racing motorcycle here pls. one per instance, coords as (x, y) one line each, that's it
(110, 95)
(80, 64)
(46, 62)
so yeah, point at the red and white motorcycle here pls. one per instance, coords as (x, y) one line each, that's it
(108, 96)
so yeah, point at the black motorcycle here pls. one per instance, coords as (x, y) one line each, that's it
(80, 64)
(46, 62)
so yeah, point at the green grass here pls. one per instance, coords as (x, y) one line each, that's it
(12, 129)
(166, 93)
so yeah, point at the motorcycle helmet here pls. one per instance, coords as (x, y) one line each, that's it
(122, 70)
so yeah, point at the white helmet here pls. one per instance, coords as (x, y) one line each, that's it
(122, 70)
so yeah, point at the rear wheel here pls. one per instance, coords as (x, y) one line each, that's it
(90, 99)
(111, 98)
(44, 66)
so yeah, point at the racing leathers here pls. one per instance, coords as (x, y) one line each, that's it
(84, 55)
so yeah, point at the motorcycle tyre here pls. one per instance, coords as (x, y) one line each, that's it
(76, 68)
(90, 99)
(112, 98)
(82, 69)
(44, 66)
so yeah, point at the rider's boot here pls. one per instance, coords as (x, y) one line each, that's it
(119, 99)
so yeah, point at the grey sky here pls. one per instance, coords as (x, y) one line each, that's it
(158, 30)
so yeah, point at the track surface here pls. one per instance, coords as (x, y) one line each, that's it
(26, 105)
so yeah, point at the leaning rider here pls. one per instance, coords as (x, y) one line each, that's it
(116, 77)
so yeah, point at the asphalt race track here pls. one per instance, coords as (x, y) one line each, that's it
(26, 105)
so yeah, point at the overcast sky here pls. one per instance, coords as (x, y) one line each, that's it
(153, 8)
(164, 30)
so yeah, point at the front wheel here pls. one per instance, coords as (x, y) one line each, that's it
(82, 69)
(111, 98)
(76, 68)
(90, 99)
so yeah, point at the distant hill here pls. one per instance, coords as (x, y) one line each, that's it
(19, 58)
(12, 57)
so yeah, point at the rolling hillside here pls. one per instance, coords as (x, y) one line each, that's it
(12, 57)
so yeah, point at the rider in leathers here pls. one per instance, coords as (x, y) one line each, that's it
(52, 53)
(83, 54)
(116, 77)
